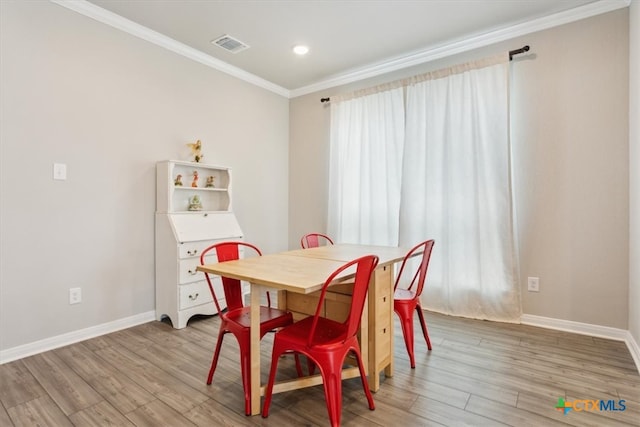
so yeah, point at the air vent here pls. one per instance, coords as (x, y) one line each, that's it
(230, 44)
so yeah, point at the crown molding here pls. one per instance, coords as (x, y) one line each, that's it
(106, 17)
(441, 51)
(420, 57)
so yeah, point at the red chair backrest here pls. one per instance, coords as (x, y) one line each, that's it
(312, 240)
(421, 273)
(364, 268)
(228, 251)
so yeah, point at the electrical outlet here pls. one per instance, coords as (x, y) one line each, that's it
(75, 296)
(533, 284)
(59, 171)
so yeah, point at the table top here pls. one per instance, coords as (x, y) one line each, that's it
(286, 272)
(304, 270)
(347, 252)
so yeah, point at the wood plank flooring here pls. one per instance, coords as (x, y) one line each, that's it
(478, 374)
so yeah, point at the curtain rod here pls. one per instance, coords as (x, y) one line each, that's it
(523, 49)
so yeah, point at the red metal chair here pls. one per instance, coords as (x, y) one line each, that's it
(326, 342)
(406, 300)
(236, 319)
(313, 240)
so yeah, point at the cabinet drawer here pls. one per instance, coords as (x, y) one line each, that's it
(336, 304)
(383, 302)
(382, 343)
(383, 281)
(187, 272)
(301, 303)
(195, 294)
(194, 249)
(337, 310)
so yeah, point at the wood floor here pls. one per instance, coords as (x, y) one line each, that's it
(479, 374)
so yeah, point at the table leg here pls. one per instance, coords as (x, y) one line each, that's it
(364, 337)
(380, 325)
(255, 349)
(388, 370)
(374, 374)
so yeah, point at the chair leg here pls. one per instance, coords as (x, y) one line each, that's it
(424, 326)
(245, 366)
(331, 371)
(216, 353)
(363, 377)
(406, 321)
(298, 365)
(268, 392)
(311, 366)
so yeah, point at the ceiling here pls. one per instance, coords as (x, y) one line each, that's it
(344, 37)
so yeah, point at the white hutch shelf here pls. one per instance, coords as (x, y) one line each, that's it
(183, 230)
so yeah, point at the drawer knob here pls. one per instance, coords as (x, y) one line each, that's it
(193, 252)
(192, 272)
(384, 299)
(193, 298)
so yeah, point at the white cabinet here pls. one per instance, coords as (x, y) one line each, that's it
(215, 196)
(188, 220)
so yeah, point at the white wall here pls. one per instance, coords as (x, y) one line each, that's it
(634, 165)
(570, 136)
(110, 105)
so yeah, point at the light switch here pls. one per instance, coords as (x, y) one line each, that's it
(59, 171)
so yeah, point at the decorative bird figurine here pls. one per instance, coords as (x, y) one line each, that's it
(196, 148)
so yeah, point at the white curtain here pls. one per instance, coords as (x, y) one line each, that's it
(456, 189)
(445, 176)
(367, 136)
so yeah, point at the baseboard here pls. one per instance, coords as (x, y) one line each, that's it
(586, 329)
(634, 348)
(30, 349)
(46, 344)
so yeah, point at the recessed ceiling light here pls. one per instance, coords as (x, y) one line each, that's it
(300, 49)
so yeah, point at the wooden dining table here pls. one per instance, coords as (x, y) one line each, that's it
(298, 275)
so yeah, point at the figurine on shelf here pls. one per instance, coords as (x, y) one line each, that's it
(194, 183)
(195, 204)
(210, 182)
(178, 181)
(196, 151)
